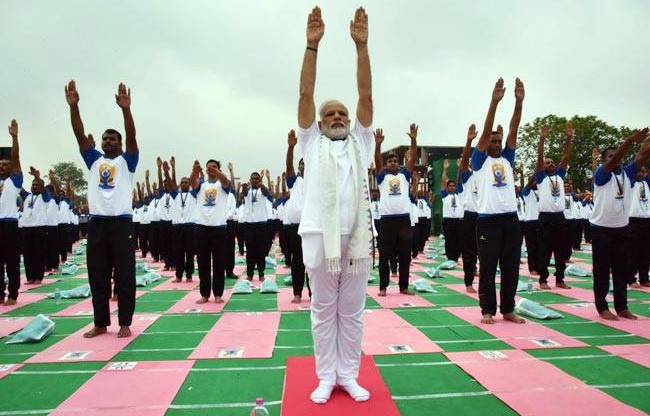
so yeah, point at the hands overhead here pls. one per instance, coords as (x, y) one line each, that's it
(13, 129)
(315, 27)
(379, 136)
(71, 93)
(123, 96)
(292, 140)
(359, 27)
(413, 131)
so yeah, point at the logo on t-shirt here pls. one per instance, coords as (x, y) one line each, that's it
(394, 186)
(209, 197)
(167, 201)
(499, 175)
(642, 195)
(106, 176)
(555, 188)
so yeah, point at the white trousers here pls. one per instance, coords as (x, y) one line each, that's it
(337, 305)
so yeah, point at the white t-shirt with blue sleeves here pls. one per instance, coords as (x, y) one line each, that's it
(551, 191)
(110, 182)
(9, 192)
(639, 206)
(394, 197)
(495, 182)
(613, 196)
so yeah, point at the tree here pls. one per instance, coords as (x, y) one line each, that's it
(62, 170)
(589, 133)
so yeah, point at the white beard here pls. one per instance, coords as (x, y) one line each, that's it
(337, 133)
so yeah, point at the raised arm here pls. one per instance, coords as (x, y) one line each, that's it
(72, 97)
(464, 158)
(231, 172)
(225, 182)
(359, 33)
(269, 185)
(146, 181)
(160, 177)
(445, 177)
(55, 184)
(196, 174)
(497, 94)
(291, 142)
(284, 183)
(15, 151)
(543, 135)
(595, 158)
(643, 155)
(415, 180)
(636, 137)
(69, 192)
(168, 179)
(379, 139)
(516, 115)
(568, 147)
(306, 106)
(123, 100)
(172, 162)
(413, 150)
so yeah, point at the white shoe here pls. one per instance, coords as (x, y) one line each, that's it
(358, 393)
(322, 393)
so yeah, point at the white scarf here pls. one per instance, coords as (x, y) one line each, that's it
(358, 213)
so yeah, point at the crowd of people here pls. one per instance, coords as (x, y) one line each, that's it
(330, 215)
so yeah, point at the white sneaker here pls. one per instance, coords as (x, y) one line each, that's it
(358, 393)
(322, 393)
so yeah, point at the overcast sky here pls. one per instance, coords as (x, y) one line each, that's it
(213, 79)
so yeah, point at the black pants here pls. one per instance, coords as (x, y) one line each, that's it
(396, 240)
(451, 228)
(256, 247)
(62, 243)
(639, 254)
(210, 245)
(34, 252)
(298, 276)
(136, 235)
(154, 240)
(166, 243)
(610, 249)
(554, 240)
(143, 235)
(9, 259)
(468, 246)
(533, 247)
(586, 226)
(284, 245)
(499, 243)
(231, 231)
(183, 248)
(576, 235)
(111, 254)
(52, 247)
(240, 238)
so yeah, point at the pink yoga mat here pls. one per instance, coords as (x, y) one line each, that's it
(10, 325)
(144, 388)
(24, 287)
(578, 293)
(385, 332)
(639, 327)
(240, 335)
(416, 268)
(533, 387)
(282, 270)
(167, 273)
(640, 289)
(300, 380)
(285, 295)
(75, 347)
(24, 299)
(462, 290)
(239, 270)
(171, 284)
(6, 369)
(85, 307)
(188, 304)
(528, 336)
(637, 353)
(394, 299)
(453, 273)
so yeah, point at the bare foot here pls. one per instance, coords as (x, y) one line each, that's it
(607, 314)
(562, 286)
(10, 302)
(218, 299)
(249, 278)
(38, 282)
(296, 299)
(382, 292)
(261, 278)
(202, 300)
(124, 332)
(534, 273)
(544, 286)
(470, 289)
(487, 319)
(513, 318)
(646, 284)
(98, 330)
(406, 292)
(636, 285)
(627, 314)
(29, 283)
(114, 298)
(188, 280)
(178, 280)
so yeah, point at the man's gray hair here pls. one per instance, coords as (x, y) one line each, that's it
(328, 103)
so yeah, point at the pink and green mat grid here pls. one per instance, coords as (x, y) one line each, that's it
(422, 355)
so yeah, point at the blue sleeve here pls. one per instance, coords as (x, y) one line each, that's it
(406, 174)
(291, 180)
(459, 188)
(526, 191)
(90, 156)
(24, 194)
(477, 159)
(601, 177)
(131, 160)
(539, 176)
(173, 193)
(443, 194)
(46, 196)
(560, 172)
(17, 179)
(509, 154)
(195, 192)
(647, 180)
(380, 176)
(630, 170)
(464, 176)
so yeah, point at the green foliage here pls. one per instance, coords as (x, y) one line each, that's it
(589, 133)
(63, 170)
